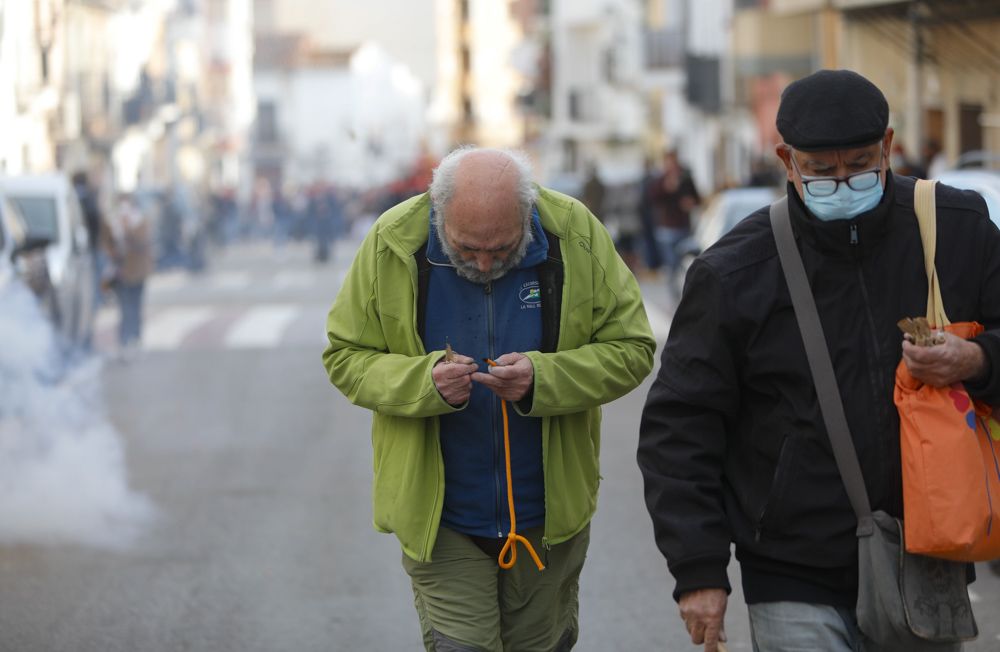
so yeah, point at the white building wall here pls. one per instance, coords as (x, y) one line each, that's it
(239, 56)
(495, 83)
(359, 126)
(444, 111)
(25, 102)
(388, 118)
(598, 110)
(405, 29)
(233, 39)
(708, 27)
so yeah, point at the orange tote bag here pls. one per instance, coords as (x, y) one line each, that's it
(950, 444)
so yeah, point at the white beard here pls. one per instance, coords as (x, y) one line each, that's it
(471, 272)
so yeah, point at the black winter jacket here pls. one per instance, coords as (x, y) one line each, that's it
(732, 443)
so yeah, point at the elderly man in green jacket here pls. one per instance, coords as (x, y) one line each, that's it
(473, 461)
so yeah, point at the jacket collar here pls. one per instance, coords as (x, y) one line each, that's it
(843, 237)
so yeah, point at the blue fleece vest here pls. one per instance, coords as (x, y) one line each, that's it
(488, 321)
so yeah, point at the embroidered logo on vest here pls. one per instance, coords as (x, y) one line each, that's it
(530, 295)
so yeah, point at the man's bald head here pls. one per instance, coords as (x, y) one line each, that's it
(477, 177)
(483, 200)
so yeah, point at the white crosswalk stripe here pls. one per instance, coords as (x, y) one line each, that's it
(292, 279)
(167, 281)
(171, 326)
(229, 280)
(261, 327)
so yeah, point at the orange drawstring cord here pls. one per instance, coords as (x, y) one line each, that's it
(510, 546)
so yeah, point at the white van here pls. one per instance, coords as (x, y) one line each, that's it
(22, 259)
(52, 212)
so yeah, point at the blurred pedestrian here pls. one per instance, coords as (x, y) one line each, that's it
(733, 446)
(224, 217)
(903, 165)
(473, 269)
(766, 173)
(672, 198)
(92, 219)
(284, 217)
(651, 248)
(935, 161)
(129, 246)
(90, 206)
(261, 215)
(593, 192)
(327, 217)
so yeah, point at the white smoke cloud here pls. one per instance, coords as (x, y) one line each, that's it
(62, 464)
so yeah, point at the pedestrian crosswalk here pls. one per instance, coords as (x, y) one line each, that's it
(253, 302)
(249, 327)
(262, 327)
(171, 327)
(230, 281)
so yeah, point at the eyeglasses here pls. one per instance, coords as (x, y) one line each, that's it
(827, 186)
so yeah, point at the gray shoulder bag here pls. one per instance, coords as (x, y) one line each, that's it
(905, 601)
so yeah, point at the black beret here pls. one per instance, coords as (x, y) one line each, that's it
(832, 109)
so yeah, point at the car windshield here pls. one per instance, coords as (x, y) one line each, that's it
(39, 215)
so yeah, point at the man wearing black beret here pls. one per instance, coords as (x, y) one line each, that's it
(733, 447)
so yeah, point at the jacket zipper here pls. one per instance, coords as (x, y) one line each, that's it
(876, 349)
(488, 292)
(873, 331)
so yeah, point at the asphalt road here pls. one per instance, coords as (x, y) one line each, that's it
(260, 473)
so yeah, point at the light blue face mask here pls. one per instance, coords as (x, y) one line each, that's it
(846, 202)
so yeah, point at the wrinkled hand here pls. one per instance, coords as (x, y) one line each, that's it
(944, 364)
(511, 378)
(703, 612)
(454, 379)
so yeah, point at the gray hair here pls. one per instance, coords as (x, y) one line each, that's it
(443, 185)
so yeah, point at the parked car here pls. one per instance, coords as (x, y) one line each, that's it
(52, 212)
(985, 182)
(978, 160)
(8, 248)
(723, 211)
(22, 259)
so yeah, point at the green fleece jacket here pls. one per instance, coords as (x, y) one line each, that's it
(376, 358)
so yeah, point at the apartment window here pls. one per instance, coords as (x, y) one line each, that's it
(609, 62)
(583, 105)
(703, 83)
(575, 111)
(571, 155)
(267, 122)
